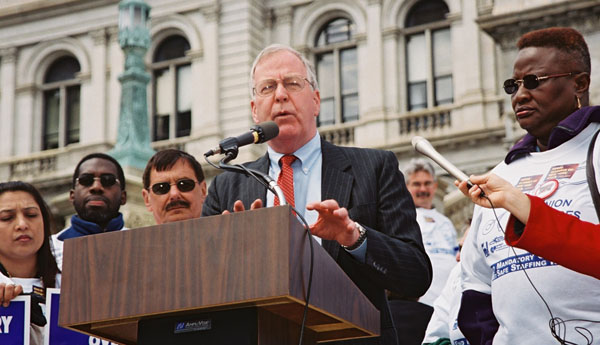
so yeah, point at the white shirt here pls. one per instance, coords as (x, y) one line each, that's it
(490, 266)
(439, 239)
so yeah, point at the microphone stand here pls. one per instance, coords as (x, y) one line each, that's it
(265, 179)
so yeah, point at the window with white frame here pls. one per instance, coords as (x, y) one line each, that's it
(61, 103)
(172, 89)
(337, 72)
(428, 55)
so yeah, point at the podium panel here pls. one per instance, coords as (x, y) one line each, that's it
(255, 260)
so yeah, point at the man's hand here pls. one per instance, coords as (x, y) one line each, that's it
(8, 292)
(333, 223)
(238, 206)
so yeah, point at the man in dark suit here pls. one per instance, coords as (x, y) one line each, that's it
(355, 199)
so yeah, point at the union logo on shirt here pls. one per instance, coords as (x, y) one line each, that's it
(561, 171)
(547, 189)
(527, 183)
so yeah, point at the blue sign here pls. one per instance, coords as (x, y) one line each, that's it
(57, 335)
(14, 322)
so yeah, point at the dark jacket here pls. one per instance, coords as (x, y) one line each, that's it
(370, 185)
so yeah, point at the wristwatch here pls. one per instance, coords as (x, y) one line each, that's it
(362, 236)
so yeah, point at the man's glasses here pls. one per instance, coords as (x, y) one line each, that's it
(293, 83)
(530, 81)
(106, 180)
(184, 185)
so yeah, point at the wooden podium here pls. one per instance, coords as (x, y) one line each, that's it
(207, 273)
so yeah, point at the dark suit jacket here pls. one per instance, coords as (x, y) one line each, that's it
(369, 184)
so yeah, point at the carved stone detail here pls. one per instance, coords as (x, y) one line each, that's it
(9, 55)
(113, 34)
(283, 15)
(211, 12)
(99, 36)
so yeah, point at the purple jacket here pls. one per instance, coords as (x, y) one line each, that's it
(566, 130)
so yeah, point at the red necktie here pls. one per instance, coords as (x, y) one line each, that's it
(286, 179)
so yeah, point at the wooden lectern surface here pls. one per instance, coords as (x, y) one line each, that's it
(254, 258)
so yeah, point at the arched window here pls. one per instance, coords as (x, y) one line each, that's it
(428, 55)
(61, 103)
(172, 89)
(337, 62)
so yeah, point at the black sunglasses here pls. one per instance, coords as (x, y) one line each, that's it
(106, 180)
(184, 185)
(530, 81)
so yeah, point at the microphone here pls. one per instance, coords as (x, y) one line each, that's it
(423, 146)
(258, 134)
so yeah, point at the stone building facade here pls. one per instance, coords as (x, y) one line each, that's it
(388, 70)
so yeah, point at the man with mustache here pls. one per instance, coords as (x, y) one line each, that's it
(439, 235)
(97, 194)
(174, 186)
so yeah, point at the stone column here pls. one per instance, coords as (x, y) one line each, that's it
(29, 125)
(205, 70)
(371, 92)
(372, 95)
(393, 81)
(94, 118)
(115, 67)
(8, 62)
(282, 28)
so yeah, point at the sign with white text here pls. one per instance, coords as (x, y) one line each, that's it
(14, 322)
(57, 335)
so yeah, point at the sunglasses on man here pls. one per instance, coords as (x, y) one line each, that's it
(184, 185)
(530, 81)
(106, 180)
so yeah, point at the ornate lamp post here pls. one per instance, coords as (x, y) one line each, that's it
(133, 137)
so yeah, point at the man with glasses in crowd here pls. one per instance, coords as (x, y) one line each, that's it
(355, 199)
(97, 193)
(439, 235)
(174, 186)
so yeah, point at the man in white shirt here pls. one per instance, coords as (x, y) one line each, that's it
(439, 235)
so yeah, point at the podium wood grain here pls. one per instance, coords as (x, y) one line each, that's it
(255, 258)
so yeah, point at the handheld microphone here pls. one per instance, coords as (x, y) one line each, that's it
(258, 134)
(423, 146)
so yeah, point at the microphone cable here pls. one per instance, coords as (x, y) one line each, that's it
(558, 326)
(249, 172)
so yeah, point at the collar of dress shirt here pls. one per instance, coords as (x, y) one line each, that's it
(307, 155)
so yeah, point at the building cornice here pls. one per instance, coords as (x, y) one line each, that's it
(21, 11)
(506, 28)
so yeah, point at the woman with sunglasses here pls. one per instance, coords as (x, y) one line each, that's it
(549, 92)
(26, 262)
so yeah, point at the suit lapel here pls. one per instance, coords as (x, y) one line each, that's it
(255, 189)
(336, 182)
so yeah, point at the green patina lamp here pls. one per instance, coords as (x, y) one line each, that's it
(133, 137)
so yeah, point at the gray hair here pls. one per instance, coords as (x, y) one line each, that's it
(274, 48)
(418, 164)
